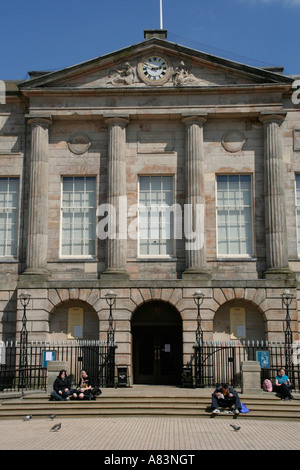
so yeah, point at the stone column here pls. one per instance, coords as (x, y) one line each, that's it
(116, 255)
(196, 266)
(37, 243)
(275, 211)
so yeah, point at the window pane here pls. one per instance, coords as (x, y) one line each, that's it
(144, 183)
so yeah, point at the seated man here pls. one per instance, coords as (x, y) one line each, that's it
(225, 396)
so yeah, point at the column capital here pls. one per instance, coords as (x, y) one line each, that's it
(272, 116)
(43, 121)
(121, 120)
(189, 119)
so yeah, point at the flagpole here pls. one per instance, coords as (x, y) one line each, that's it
(161, 15)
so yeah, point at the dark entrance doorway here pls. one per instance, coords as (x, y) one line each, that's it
(157, 344)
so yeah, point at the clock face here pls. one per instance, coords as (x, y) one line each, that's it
(154, 70)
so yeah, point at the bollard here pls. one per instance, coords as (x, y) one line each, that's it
(251, 377)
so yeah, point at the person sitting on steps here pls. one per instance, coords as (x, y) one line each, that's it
(283, 386)
(61, 387)
(86, 389)
(225, 396)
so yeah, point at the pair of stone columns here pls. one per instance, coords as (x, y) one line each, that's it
(196, 265)
(37, 244)
(116, 249)
(275, 210)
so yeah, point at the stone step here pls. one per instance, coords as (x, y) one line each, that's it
(262, 407)
(84, 413)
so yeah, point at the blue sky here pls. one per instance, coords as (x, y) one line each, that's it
(50, 35)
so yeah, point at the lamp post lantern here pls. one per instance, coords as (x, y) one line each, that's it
(287, 298)
(199, 379)
(24, 298)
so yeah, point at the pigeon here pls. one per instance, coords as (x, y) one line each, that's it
(27, 418)
(236, 428)
(56, 427)
(52, 416)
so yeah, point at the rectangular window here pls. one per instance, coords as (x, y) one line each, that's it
(234, 215)
(298, 210)
(78, 220)
(9, 216)
(156, 221)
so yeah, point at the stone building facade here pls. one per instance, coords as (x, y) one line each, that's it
(154, 124)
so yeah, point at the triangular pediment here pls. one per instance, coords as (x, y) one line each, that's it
(154, 63)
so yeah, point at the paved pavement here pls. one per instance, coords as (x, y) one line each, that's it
(127, 436)
(149, 433)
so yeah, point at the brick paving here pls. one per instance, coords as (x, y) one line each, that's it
(149, 433)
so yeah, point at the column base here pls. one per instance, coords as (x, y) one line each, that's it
(115, 273)
(279, 273)
(197, 273)
(35, 274)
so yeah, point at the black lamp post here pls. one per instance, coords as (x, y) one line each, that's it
(110, 298)
(23, 365)
(287, 298)
(199, 379)
(198, 298)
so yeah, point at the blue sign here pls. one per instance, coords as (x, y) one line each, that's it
(48, 356)
(263, 357)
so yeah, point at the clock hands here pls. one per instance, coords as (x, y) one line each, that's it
(153, 67)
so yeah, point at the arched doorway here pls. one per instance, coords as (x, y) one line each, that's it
(157, 344)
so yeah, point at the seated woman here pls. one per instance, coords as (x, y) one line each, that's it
(225, 396)
(61, 387)
(283, 385)
(86, 389)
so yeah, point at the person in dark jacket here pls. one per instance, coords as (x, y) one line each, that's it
(225, 396)
(61, 387)
(86, 389)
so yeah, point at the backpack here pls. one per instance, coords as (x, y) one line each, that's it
(267, 385)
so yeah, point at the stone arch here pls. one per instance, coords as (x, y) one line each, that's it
(61, 319)
(254, 325)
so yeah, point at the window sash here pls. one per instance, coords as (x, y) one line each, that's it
(298, 211)
(78, 217)
(9, 216)
(234, 215)
(156, 222)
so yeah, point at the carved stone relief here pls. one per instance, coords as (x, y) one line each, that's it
(125, 76)
(129, 74)
(183, 76)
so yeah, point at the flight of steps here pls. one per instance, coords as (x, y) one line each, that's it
(265, 406)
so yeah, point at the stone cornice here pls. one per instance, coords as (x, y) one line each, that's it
(154, 283)
(212, 89)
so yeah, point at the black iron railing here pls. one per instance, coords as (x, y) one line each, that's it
(217, 362)
(97, 357)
